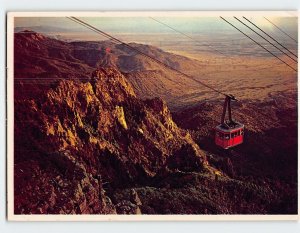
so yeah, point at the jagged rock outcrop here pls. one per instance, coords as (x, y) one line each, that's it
(80, 135)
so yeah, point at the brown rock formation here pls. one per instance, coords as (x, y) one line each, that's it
(78, 135)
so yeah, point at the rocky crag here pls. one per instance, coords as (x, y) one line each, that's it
(79, 135)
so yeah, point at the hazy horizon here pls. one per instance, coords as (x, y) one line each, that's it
(208, 33)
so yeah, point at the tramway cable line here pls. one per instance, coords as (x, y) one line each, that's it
(229, 133)
(265, 39)
(271, 37)
(258, 44)
(281, 30)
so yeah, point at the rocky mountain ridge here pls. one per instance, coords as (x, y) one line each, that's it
(90, 132)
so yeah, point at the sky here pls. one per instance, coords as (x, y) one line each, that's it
(148, 25)
(146, 30)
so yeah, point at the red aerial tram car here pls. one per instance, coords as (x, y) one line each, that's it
(229, 133)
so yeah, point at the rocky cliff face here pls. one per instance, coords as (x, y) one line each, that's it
(80, 136)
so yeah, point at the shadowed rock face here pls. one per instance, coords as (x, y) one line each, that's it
(77, 135)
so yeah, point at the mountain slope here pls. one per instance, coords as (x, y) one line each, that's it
(41, 59)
